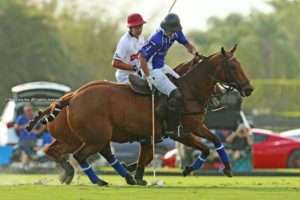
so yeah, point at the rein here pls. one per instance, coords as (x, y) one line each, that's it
(226, 85)
(199, 100)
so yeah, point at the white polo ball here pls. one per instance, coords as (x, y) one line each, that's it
(160, 183)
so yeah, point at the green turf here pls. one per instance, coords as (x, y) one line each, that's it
(44, 187)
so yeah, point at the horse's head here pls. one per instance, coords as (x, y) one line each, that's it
(230, 72)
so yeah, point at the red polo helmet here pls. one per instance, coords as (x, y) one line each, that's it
(135, 19)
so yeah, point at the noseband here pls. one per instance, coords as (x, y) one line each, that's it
(228, 76)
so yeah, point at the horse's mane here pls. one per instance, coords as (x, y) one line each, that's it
(200, 64)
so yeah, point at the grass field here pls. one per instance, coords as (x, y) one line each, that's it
(46, 187)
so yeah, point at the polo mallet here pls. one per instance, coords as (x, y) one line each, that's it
(245, 121)
(173, 4)
(153, 128)
(155, 182)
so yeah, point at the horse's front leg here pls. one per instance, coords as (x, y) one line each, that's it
(196, 125)
(145, 157)
(204, 132)
(194, 142)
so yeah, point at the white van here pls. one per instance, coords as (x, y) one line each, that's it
(39, 94)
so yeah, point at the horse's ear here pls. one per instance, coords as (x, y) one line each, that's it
(223, 51)
(233, 48)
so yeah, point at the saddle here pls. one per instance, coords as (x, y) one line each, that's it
(139, 85)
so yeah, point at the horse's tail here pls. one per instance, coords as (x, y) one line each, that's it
(51, 111)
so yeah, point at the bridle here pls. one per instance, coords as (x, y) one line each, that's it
(225, 82)
(228, 73)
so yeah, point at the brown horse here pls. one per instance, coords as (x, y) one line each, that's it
(60, 130)
(96, 115)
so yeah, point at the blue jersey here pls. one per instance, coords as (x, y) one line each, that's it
(157, 46)
(24, 134)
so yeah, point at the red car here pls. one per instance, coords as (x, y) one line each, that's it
(270, 150)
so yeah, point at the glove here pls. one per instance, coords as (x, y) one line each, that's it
(149, 81)
(135, 68)
(199, 56)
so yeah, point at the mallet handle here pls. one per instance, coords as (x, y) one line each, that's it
(153, 132)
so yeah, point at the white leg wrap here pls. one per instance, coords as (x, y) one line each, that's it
(115, 162)
(87, 168)
(219, 148)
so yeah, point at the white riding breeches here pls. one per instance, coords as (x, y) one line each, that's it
(122, 76)
(161, 81)
(122, 79)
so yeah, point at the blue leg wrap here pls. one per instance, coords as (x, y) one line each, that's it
(114, 162)
(87, 169)
(222, 153)
(199, 162)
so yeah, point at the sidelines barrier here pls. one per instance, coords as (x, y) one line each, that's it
(6, 153)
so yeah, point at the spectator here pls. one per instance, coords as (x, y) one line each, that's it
(240, 143)
(222, 134)
(27, 140)
(42, 142)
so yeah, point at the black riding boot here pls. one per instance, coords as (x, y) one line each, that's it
(175, 107)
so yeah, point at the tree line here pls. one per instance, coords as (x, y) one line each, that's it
(36, 44)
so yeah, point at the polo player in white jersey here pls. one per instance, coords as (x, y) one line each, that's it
(125, 58)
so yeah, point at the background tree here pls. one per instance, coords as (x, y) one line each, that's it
(39, 43)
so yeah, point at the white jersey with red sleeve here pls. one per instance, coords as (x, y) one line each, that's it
(127, 52)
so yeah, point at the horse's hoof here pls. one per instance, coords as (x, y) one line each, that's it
(67, 176)
(187, 171)
(130, 180)
(141, 182)
(227, 171)
(66, 179)
(102, 183)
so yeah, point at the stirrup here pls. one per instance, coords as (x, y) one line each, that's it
(177, 134)
(180, 130)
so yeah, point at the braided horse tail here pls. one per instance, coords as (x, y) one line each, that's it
(55, 107)
(51, 111)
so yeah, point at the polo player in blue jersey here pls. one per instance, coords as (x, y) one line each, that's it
(152, 59)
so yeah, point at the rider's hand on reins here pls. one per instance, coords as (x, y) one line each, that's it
(197, 57)
(135, 68)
